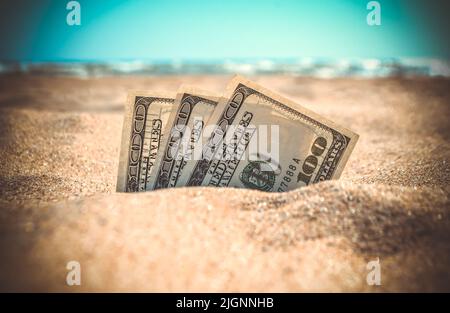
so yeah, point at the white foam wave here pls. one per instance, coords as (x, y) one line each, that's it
(313, 67)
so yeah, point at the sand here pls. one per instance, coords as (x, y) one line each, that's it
(60, 139)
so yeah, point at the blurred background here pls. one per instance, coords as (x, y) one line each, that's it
(327, 38)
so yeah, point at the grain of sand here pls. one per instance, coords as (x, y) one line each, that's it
(60, 139)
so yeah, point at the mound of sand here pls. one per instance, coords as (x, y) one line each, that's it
(59, 141)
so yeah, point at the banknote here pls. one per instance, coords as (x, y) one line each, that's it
(184, 129)
(146, 115)
(258, 139)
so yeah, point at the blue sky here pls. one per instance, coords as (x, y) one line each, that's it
(193, 29)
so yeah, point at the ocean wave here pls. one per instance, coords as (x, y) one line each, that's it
(311, 67)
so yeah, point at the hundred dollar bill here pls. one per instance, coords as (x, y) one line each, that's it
(305, 148)
(175, 159)
(145, 119)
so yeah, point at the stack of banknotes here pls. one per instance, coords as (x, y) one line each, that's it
(248, 137)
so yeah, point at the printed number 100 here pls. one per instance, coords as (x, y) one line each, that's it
(311, 161)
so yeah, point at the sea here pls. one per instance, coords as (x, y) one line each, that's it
(306, 66)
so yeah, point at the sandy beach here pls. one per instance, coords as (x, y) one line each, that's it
(59, 149)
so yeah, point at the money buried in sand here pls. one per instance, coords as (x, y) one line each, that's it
(250, 137)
